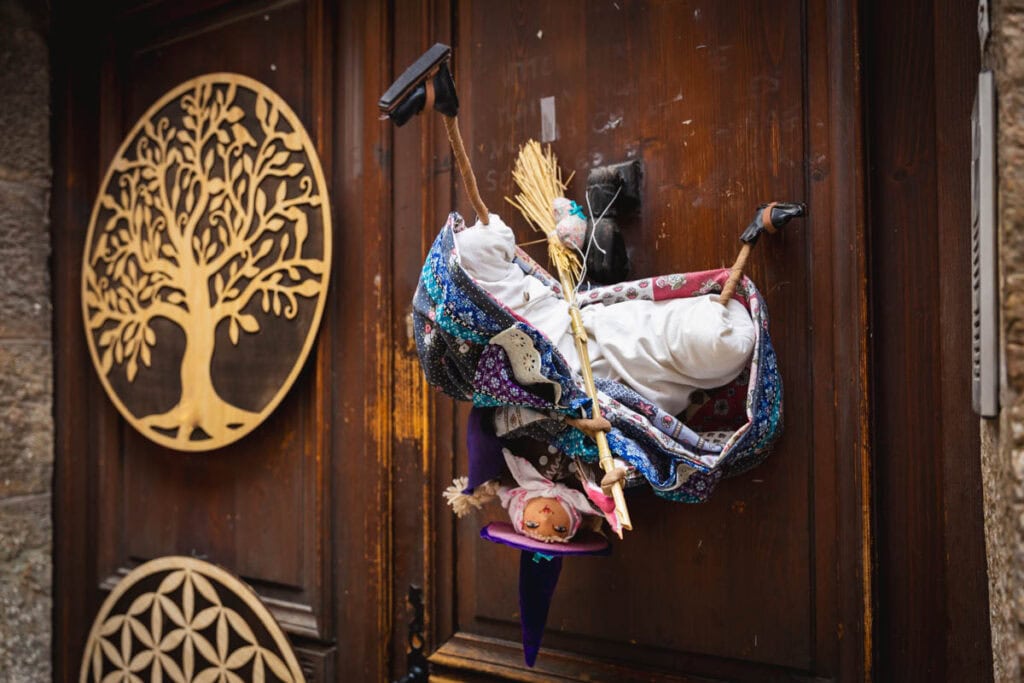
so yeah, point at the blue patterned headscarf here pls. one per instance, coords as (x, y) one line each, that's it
(731, 430)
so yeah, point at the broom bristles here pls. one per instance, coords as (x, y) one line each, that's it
(539, 178)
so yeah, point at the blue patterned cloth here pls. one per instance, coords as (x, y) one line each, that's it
(455, 321)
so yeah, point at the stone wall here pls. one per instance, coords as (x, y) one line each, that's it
(26, 364)
(1003, 438)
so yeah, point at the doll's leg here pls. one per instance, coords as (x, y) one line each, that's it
(589, 425)
(769, 218)
(666, 349)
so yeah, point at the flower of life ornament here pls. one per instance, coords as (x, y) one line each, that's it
(206, 264)
(184, 620)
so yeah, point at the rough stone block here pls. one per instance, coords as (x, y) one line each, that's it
(1011, 129)
(26, 431)
(24, 215)
(25, 309)
(1004, 495)
(1010, 37)
(26, 533)
(24, 107)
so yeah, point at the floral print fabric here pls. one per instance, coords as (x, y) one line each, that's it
(455, 321)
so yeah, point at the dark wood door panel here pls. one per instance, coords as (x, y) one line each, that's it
(246, 506)
(920, 84)
(252, 506)
(710, 99)
(267, 41)
(259, 506)
(723, 105)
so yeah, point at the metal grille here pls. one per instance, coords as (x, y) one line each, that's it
(984, 299)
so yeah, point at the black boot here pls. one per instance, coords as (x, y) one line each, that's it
(408, 95)
(780, 214)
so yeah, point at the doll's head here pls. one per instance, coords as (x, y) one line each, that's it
(571, 226)
(545, 515)
(540, 508)
(547, 518)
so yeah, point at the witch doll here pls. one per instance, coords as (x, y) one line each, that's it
(604, 375)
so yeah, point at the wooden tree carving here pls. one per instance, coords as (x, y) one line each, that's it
(211, 228)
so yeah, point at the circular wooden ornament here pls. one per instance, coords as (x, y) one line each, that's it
(184, 620)
(206, 264)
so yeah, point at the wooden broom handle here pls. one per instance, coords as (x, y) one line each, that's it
(451, 124)
(604, 452)
(735, 273)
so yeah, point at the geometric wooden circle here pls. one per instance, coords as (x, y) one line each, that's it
(206, 263)
(181, 619)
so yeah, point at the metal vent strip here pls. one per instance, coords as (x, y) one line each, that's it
(984, 265)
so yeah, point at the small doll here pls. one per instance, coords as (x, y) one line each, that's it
(570, 223)
(549, 520)
(538, 507)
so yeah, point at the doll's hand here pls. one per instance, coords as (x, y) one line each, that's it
(617, 474)
(464, 503)
(589, 425)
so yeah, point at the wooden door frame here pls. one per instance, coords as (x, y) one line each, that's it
(840, 293)
(75, 84)
(932, 581)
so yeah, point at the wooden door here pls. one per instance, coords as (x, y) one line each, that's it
(725, 105)
(332, 508)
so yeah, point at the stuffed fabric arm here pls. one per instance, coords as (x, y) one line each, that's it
(463, 503)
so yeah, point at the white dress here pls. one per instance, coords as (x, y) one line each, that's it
(661, 349)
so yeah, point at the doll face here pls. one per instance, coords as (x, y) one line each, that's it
(572, 231)
(545, 519)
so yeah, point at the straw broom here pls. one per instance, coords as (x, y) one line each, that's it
(540, 182)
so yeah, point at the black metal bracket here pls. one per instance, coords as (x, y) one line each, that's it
(614, 191)
(622, 178)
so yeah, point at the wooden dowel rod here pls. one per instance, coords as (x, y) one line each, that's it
(451, 124)
(603, 451)
(735, 273)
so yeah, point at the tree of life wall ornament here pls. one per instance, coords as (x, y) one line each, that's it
(185, 620)
(206, 264)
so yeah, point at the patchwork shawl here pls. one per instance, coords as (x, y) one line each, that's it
(473, 348)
